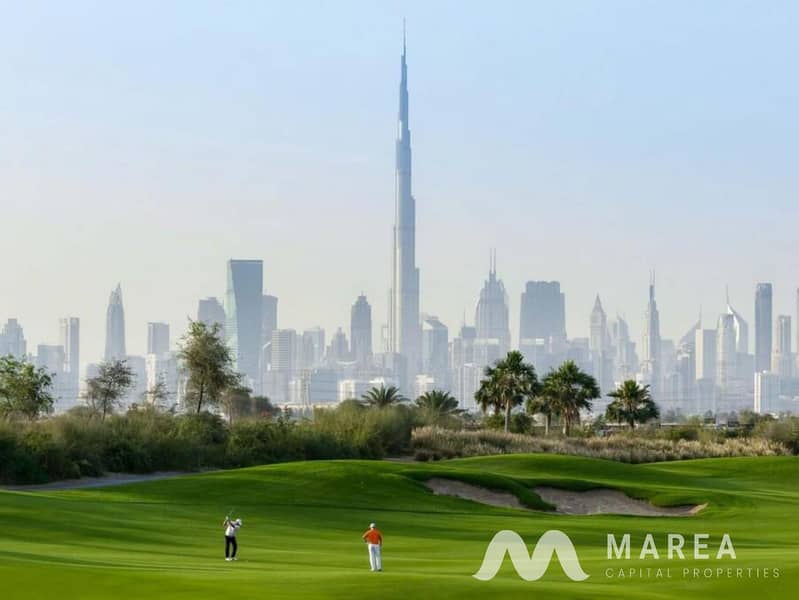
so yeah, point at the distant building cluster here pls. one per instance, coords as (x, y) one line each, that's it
(711, 368)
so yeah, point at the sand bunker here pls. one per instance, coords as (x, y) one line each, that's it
(450, 487)
(613, 502)
(591, 502)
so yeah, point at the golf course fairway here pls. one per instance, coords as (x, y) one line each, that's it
(302, 526)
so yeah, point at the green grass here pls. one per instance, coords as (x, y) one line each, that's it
(303, 521)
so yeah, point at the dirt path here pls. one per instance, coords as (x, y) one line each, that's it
(603, 501)
(93, 482)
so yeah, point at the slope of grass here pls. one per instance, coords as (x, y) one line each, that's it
(303, 521)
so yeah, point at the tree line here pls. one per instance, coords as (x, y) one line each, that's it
(25, 391)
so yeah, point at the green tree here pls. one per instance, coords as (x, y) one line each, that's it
(566, 391)
(382, 397)
(24, 389)
(541, 405)
(237, 402)
(157, 397)
(105, 391)
(506, 384)
(207, 360)
(262, 407)
(437, 404)
(631, 404)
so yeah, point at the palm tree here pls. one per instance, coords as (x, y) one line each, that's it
(507, 384)
(437, 404)
(631, 404)
(568, 390)
(540, 405)
(382, 397)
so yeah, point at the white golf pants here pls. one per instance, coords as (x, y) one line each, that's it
(374, 557)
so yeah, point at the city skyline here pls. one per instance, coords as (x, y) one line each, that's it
(162, 282)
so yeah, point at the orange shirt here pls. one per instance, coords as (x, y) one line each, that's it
(373, 536)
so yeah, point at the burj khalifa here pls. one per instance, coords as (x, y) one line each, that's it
(404, 327)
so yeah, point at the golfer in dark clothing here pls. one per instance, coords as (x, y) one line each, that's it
(231, 529)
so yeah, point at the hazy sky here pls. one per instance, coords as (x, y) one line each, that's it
(589, 142)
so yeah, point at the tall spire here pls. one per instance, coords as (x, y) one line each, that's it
(404, 325)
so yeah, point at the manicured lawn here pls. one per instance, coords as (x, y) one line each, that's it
(303, 522)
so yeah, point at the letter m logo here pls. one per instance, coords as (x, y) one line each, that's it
(531, 568)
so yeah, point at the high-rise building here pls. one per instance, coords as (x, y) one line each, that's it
(705, 354)
(244, 310)
(491, 314)
(269, 317)
(12, 340)
(157, 338)
(211, 312)
(404, 326)
(361, 331)
(69, 328)
(163, 369)
(115, 327)
(462, 347)
(782, 359)
(543, 312)
(282, 365)
(767, 392)
(651, 367)
(726, 354)
(312, 348)
(339, 348)
(598, 340)
(741, 328)
(52, 360)
(138, 391)
(598, 345)
(626, 361)
(435, 351)
(763, 327)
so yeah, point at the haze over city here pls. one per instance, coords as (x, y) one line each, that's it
(148, 145)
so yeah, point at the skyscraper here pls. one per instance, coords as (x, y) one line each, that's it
(626, 361)
(404, 326)
(435, 351)
(491, 314)
(12, 340)
(763, 327)
(312, 348)
(282, 364)
(243, 307)
(598, 341)
(157, 338)
(52, 360)
(361, 331)
(269, 317)
(726, 353)
(782, 359)
(598, 344)
(543, 312)
(339, 348)
(652, 343)
(210, 311)
(705, 354)
(741, 328)
(70, 339)
(115, 327)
